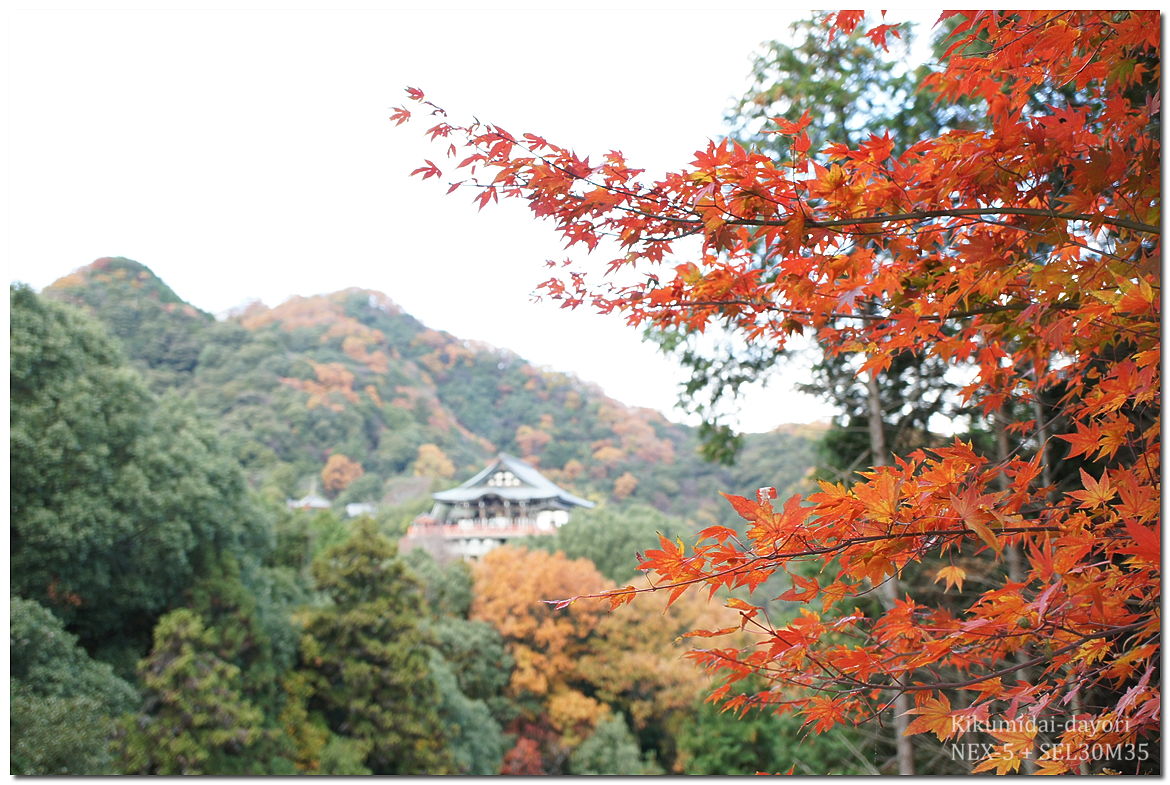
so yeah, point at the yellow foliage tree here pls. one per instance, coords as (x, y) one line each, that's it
(623, 486)
(608, 455)
(574, 715)
(339, 472)
(637, 660)
(433, 462)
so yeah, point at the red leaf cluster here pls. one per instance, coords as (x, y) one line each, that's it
(1026, 252)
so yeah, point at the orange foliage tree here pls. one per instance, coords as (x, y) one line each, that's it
(623, 486)
(1025, 253)
(339, 472)
(333, 381)
(512, 586)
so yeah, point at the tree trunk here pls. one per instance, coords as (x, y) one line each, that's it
(1015, 568)
(890, 588)
(1011, 553)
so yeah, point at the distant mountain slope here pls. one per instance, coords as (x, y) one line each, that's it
(156, 327)
(349, 393)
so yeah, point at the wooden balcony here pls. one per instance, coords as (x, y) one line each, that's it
(476, 528)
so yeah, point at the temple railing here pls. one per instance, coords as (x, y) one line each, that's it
(477, 529)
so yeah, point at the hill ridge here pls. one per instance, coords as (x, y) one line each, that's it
(351, 374)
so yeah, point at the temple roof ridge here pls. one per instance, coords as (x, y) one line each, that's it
(532, 485)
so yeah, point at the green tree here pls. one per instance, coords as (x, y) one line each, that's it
(343, 757)
(247, 611)
(370, 659)
(196, 719)
(476, 654)
(474, 738)
(118, 500)
(610, 537)
(303, 535)
(63, 704)
(611, 749)
(447, 588)
(718, 742)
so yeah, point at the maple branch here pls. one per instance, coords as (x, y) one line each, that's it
(954, 685)
(1068, 240)
(810, 551)
(858, 684)
(1028, 30)
(987, 309)
(915, 215)
(954, 212)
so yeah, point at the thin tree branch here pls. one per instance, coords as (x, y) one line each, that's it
(954, 212)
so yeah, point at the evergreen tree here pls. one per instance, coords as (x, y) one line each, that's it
(196, 719)
(610, 537)
(475, 740)
(247, 612)
(63, 704)
(118, 500)
(718, 742)
(611, 749)
(370, 659)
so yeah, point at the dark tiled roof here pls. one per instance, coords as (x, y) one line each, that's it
(534, 485)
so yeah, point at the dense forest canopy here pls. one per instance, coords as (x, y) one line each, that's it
(164, 590)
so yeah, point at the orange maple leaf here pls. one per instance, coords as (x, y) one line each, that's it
(968, 508)
(1147, 543)
(803, 590)
(1001, 759)
(934, 716)
(880, 497)
(823, 713)
(954, 576)
(1096, 493)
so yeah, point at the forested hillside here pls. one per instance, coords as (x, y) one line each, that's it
(172, 610)
(349, 381)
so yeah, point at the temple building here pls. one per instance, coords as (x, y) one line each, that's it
(508, 499)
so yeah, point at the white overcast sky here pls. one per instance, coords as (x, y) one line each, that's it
(246, 154)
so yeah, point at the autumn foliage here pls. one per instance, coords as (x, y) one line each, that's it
(331, 389)
(1024, 253)
(433, 462)
(511, 585)
(339, 472)
(575, 663)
